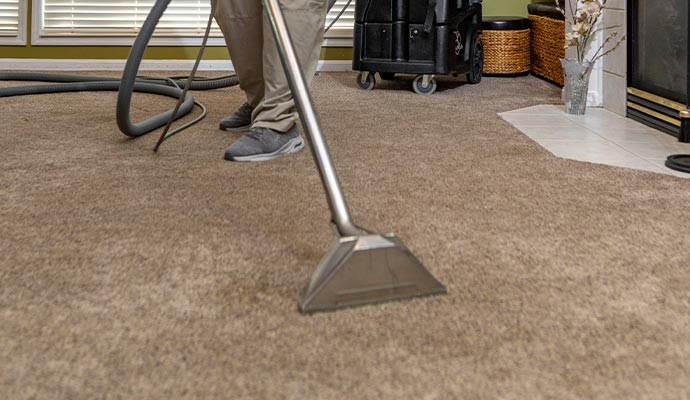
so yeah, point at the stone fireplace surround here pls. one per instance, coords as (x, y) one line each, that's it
(614, 68)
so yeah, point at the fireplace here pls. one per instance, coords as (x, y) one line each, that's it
(658, 91)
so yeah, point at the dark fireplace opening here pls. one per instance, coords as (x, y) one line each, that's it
(659, 64)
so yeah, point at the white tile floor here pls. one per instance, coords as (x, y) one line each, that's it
(600, 137)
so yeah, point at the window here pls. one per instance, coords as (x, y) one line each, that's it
(115, 22)
(341, 32)
(12, 22)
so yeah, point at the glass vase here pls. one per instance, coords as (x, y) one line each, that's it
(576, 85)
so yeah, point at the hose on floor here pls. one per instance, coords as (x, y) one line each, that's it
(126, 85)
(176, 87)
(80, 83)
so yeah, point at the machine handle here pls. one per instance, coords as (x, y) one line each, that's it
(310, 122)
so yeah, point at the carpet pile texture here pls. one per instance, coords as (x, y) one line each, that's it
(129, 274)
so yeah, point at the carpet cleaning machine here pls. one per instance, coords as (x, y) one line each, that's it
(426, 38)
(361, 267)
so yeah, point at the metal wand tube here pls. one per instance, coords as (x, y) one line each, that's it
(305, 109)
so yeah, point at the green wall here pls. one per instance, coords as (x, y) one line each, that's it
(506, 7)
(491, 7)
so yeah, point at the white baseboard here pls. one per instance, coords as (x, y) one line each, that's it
(334, 66)
(31, 64)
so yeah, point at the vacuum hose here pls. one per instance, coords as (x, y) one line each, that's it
(129, 76)
(130, 83)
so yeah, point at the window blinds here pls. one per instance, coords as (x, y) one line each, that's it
(9, 18)
(185, 18)
(123, 17)
(343, 28)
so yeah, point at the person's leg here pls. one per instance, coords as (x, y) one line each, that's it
(241, 22)
(305, 20)
(274, 132)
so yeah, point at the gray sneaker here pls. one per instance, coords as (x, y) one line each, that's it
(239, 120)
(263, 144)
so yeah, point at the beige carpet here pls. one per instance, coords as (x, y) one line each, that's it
(128, 274)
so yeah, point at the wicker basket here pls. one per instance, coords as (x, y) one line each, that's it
(506, 52)
(548, 38)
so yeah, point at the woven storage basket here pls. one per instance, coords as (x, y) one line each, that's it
(548, 39)
(506, 51)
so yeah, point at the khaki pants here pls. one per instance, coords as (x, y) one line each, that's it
(255, 57)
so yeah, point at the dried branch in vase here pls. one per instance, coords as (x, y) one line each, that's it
(583, 27)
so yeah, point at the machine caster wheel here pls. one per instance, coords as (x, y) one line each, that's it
(477, 57)
(421, 88)
(387, 76)
(366, 81)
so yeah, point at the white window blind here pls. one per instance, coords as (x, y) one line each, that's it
(123, 17)
(344, 26)
(183, 18)
(9, 18)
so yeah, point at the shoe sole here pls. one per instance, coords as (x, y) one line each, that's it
(292, 146)
(236, 129)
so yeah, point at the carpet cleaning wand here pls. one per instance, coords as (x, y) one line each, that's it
(361, 267)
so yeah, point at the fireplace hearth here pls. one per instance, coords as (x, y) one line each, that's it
(658, 91)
